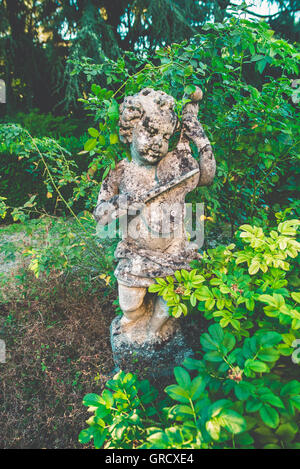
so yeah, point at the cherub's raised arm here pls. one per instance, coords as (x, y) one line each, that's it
(193, 131)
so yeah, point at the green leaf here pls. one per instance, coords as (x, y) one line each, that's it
(243, 390)
(177, 393)
(203, 293)
(213, 356)
(287, 431)
(113, 138)
(257, 366)
(269, 416)
(90, 144)
(268, 354)
(253, 405)
(193, 300)
(291, 388)
(272, 446)
(108, 398)
(209, 304)
(255, 58)
(207, 342)
(113, 111)
(86, 435)
(101, 140)
(99, 437)
(213, 428)
(270, 338)
(93, 400)
(105, 172)
(193, 364)
(188, 71)
(119, 431)
(181, 411)
(161, 281)
(95, 89)
(177, 275)
(288, 227)
(296, 296)
(244, 439)
(270, 300)
(102, 411)
(93, 132)
(229, 341)
(182, 377)
(197, 387)
(295, 401)
(216, 408)
(232, 421)
(261, 64)
(270, 398)
(254, 268)
(235, 323)
(154, 288)
(216, 333)
(159, 439)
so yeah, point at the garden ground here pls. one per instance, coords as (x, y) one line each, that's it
(57, 344)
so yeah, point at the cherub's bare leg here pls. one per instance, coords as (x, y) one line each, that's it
(143, 315)
(160, 316)
(131, 301)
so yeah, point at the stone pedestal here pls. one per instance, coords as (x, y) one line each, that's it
(154, 358)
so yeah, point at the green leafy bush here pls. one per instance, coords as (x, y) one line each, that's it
(49, 166)
(127, 415)
(40, 125)
(53, 247)
(22, 170)
(229, 283)
(242, 391)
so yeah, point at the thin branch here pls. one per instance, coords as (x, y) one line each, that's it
(256, 14)
(261, 16)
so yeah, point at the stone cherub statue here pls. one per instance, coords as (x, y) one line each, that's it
(152, 189)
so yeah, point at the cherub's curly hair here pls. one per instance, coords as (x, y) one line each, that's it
(132, 110)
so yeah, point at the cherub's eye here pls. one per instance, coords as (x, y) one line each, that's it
(152, 131)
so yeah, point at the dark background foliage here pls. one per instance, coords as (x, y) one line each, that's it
(37, 38)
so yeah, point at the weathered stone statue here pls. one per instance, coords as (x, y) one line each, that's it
(151, 190)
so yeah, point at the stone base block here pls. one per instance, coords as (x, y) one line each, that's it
(154, 358)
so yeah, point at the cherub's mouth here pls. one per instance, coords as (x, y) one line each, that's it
(153, 152)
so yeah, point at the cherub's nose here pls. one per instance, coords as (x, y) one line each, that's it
(157, 140)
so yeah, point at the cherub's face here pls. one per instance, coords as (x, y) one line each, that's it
(150, 138)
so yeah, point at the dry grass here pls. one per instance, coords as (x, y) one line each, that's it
(58, 349)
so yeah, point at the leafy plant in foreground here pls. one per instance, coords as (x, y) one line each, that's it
(241, 391)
